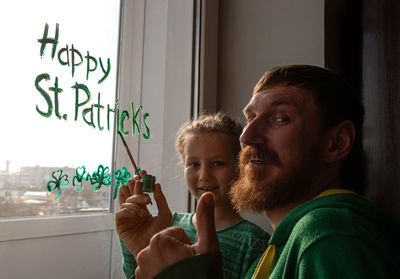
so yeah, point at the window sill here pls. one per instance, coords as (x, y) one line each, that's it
(27, 228)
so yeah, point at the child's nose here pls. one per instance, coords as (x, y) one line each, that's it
(204, 173)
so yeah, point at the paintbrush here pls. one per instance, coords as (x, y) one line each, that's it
(129, 154)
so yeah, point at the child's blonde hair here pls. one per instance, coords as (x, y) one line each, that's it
(210, 122)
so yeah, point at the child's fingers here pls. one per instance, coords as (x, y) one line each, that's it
(137, 177)
(124, 213)
(123, 194)
(162, 205)
(138, 187)
(132, 182)
(134, 208)
(141, 199)
(131, 186)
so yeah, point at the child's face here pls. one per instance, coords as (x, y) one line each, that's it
(210, 165)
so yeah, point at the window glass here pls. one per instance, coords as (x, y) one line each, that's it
(57, 106)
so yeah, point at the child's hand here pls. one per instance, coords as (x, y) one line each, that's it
(172, 244)
(134, 223)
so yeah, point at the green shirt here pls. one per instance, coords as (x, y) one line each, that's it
(240, 244)
(337, 236)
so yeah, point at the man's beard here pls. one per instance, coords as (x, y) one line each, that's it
(249, 192)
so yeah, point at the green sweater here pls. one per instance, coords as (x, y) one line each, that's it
(337, 236)
(240, 244)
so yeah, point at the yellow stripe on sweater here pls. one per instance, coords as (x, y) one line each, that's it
(265, 263)
(334, 191)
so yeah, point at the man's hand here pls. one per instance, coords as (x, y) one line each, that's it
(134, 223)
(172, 244)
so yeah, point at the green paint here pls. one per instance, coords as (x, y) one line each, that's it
(100, 177)
(134, 118)
(121, 176)
(91, 112)
(99, 107)
(108, 115)
(79, 177)
(97, 179)
(106, 72)
(46, 40)
(147, 135)
(124, 115)
(56, 91)
(88, 69)
(78, 104)
(73, 56)
(60, 52)
(73, 63)
(46, 96)
(60, 179)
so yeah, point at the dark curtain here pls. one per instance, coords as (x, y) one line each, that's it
(362, 42)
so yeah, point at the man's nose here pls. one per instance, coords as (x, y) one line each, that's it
(253, 134)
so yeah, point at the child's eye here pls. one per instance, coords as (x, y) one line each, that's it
(218, 163)
(192, 164)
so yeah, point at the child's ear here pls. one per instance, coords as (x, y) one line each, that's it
(340, 141)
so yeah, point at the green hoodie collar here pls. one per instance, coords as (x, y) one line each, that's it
(331, 197)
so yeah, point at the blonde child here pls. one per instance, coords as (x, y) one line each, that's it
(208, 148)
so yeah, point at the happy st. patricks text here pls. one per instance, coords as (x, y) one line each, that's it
(91, 112)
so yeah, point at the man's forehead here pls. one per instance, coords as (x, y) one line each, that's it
(279, 95)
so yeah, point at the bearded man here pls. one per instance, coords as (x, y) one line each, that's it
(297, 165)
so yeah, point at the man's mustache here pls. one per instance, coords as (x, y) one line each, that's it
(258, 153)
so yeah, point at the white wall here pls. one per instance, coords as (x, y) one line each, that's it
(259, 34)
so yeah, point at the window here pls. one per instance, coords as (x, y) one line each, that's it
(155, 55)
(57, 107)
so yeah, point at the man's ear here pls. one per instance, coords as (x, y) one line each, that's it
(340, 141)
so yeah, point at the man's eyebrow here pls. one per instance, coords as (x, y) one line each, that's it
(274, 103)
(284, 102)
(278, 102)
(289, 102)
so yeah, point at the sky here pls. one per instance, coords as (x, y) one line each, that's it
(28, 138)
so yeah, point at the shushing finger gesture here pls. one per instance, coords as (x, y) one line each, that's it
(134, 223)
(172, 244)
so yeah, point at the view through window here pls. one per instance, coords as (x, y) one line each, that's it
(57, 106)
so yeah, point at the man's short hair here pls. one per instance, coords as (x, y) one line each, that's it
(338, 102)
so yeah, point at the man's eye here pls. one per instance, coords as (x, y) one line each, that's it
(281, 119)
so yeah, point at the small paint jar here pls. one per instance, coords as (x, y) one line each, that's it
(148, 182)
